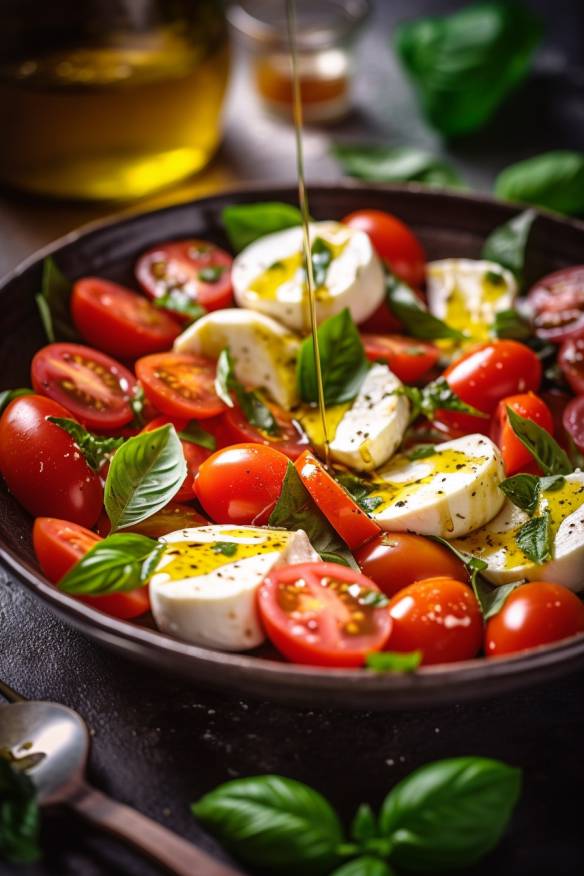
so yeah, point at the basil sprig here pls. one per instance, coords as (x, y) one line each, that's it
(376, 163)
(507, 244)
(546, 451)
(342, 360)
(117, 564)
(53, 303)
(245, 223)
(95, 448)
(444, 816)
(8, 395)
(253, 408)
(435, 396)
(19, 815)
(195, 434)
(554, 180)
(419, 322)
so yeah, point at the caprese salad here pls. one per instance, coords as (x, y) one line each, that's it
(174, 454)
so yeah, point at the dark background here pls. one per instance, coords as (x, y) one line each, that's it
(159, 743)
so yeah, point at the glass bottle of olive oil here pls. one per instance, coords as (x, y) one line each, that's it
(109, 99)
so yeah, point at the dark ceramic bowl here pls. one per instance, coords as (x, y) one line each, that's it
(448, 225)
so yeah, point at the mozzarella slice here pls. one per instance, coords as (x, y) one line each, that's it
(467, 294)
(269, 275)
(264, 351)
(363, 434)
(450, 493)
(204, 590)
(495, 543)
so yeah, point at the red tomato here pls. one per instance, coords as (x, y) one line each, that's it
(59, 544)
(172, 517)
(180, 385)
(394, 242)
(291, 440)
(194, 455)
(93, 387)
(535, 614)
(484, 376)
(318, 614)
(41, 463)
(241, 484)
(557, 401)
(408, 359)
(196, 268)
(438, 616)
(571, 359)
(574, 421)
(119, 322)
(395, 560)
(515, 455)
(558, 304)
(344, 515)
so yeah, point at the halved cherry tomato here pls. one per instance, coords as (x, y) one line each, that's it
(118, 321)
(321, 614)
(558, 304)
(180, 385)
(194, 455)
(94, 388)
(394, 242)
(484, 376)
(59, 544)
(195, 268)
(516, 456)
(241, 484)
(574, 421)
(537, 613)
(172, 517)
(42, 465)
(408, 359)
(395, 560)
(571, 359)
(438, 616)
(344, 515)
(291, 440)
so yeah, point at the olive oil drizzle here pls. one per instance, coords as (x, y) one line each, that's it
(303, 202)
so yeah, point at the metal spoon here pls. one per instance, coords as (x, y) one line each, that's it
(55, 742)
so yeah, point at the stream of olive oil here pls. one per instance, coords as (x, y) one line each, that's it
(303, 202)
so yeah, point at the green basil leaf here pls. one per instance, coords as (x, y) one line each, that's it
(195, 434)
(450, 813)
(545, 450)
(410, 311)
(395, 164)
(342, 357)
(176, 301)
(245, 223)
(465, 64)
(273, 822)
(550, 484)
(364, 866)
(53, 303)
(535, 539)
(364, 825)
(492, 599)
(253, 408)
(359, 490)
(118, 564)
(224, 376)
(145, 474)
(19, 816)
(226, 548)
(393, 661)
(523, 491)
(342, 556)
(507, 244)
(322, 256)
(8, 395)
(95, 448)
(421, 451)
(554, 180)
(510, 324)
(435, 396)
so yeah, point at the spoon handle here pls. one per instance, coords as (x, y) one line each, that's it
(146, 835)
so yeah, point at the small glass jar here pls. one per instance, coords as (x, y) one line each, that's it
(325, 37)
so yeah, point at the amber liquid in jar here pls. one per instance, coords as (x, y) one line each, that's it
(324, 84)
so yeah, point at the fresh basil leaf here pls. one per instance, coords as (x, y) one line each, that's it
(274, 823)
(554, 180)
(535, 539)
(435, 396)
(510, 324)
(253, 408)
(393, 661)
(364, 866)
(245, 223)
(19, 816)
(53, 303)
(226, 548)
(463, 65)
(224, 376)
(145, 474)
(507, 244)
(551, 484)
(342, 556)
(176, 301)
(376, 163)
(421, 451)
(120, 563)
(359, 490)
(8, 395)
(419, 322)
(195, 434)
(211, 274)
(450, 813)
(492, 599)
(523, 491)
(364, 825)
(342, 358)
(95, 448)
(545, 450)
(322, 256)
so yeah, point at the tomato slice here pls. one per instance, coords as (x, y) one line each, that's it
(557, 302)
(409, 359)
(180, 385)
(516, 456)
(291, 441)
(118, 321)
(195, 268)
(574, 421)
(322, 614)
(194, 455)
(93, 387)
(344, 515)
(59, 544)
(395, 243)
(571, 359)
(171, 518)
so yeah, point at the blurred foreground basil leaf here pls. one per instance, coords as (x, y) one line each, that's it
(554, 180)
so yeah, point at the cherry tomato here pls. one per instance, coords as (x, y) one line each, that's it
(394, 242)
(484, 376)
(537, 613)
(395, 560)
(59, 544)
(291, 439)
(516, 457)
(180, 385)
(571, 359)
(574, 421)
(408, 359)
(321, 614)
(241, 484)
(119, 322)
(438, 616)
(558, 304)
(171, 518)
(94, 388)
(344, 515)
(194, 455)
(41, 463)
(195, 268)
